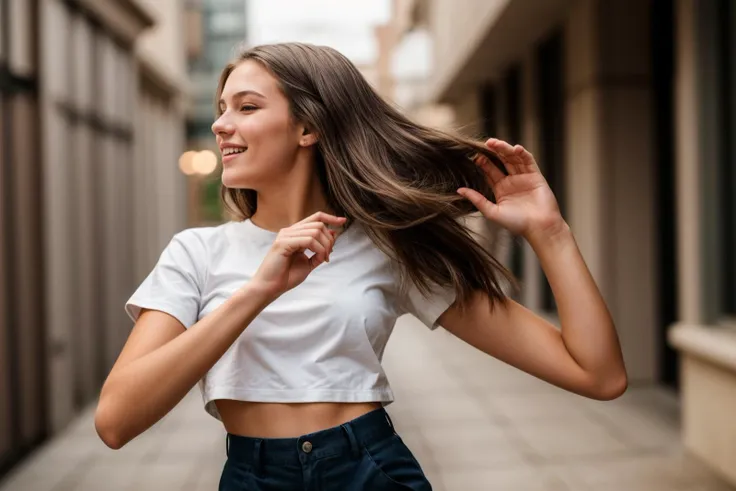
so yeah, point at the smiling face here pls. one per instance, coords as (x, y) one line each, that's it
(256, 133)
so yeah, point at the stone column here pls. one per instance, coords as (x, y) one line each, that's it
(610, 166)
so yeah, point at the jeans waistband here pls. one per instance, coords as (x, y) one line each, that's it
(346, 438)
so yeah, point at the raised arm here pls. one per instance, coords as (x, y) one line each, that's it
(584, 356)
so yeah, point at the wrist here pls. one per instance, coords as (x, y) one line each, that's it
(254, 291)
(552, 234)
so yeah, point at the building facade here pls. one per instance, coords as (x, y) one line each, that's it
(91, 126)
(216, 29)
(629, 107)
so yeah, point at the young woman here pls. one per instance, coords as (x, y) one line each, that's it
(349, 215)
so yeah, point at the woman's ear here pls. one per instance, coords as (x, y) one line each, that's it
(308, 138)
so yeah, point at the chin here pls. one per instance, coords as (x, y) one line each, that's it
(233, 179)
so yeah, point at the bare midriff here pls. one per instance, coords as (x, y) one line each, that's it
(279, 420)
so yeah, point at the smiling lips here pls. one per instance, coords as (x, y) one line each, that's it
(232, 150)
(229, 153)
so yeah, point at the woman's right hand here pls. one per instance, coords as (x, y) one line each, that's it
(286, 264)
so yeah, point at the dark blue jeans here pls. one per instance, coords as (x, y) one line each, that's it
(363, 454)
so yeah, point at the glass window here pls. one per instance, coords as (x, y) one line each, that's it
(513, 114)
(728, 158)
(227, 22)
(551, 110)
(220, 52)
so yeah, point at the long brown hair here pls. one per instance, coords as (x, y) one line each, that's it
(396, 178)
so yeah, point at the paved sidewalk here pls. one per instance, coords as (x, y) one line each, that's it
(473, 423)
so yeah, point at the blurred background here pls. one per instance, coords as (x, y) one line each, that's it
(629, 106)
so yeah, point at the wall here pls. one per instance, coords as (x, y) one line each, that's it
(163, 43)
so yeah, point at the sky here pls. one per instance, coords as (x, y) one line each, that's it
(345, 25)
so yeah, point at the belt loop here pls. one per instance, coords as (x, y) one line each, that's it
(227, 445)
(257, 456)
(354, 448)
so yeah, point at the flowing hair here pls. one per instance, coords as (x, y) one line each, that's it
(396, 178)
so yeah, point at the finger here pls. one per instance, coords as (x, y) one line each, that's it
(505, 153)
(321, 216)
(527, 162)
(315, 261)
(318, 230)
(308, 225)
(321, 237)
(292, 245)
(491, 171)
(299, 228)
(483, 204)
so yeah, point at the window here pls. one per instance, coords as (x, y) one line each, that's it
(489, 110)
(550, 87)
(220, 52)
(227, 22)
(513, 114)
(727, 161)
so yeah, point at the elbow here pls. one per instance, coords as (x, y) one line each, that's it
(610, 387)
(109, 432)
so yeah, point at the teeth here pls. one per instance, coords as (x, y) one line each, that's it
(230, 151)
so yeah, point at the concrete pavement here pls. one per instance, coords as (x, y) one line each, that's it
(473, 423)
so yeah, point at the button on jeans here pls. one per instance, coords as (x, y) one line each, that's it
(363, 454)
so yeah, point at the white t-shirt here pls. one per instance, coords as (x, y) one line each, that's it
(322, 341)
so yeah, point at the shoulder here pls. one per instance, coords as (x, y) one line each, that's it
(202, 236)
(198, 243)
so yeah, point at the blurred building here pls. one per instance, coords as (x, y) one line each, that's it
(215, 31)
(630, 109)
(91, 127)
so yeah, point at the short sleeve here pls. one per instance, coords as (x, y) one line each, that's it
(428, 308)
(173, 286)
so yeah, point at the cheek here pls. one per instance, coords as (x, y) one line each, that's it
(269, 138)
(271, 153)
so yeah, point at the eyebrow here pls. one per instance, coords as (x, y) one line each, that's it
(243, 93)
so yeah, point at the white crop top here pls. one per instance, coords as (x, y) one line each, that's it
(322, 341)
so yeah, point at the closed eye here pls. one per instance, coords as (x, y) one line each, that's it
(248, 107)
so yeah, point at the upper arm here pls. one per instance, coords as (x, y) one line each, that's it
(175, 283)
(152, 330)
(515, 335)
(167, 302)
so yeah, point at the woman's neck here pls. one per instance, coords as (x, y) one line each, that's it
(287, 205)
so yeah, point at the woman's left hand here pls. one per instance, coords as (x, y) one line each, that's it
(525, 204)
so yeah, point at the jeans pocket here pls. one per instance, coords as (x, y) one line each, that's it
(395, 464)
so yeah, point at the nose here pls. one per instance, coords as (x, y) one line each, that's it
(222, 127)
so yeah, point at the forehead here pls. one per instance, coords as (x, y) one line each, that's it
(250, 75)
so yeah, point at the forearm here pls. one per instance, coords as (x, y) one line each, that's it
(588, 330)
(142, 392)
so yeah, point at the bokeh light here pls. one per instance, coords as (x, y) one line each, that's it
(204, 162)
(186, 162)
